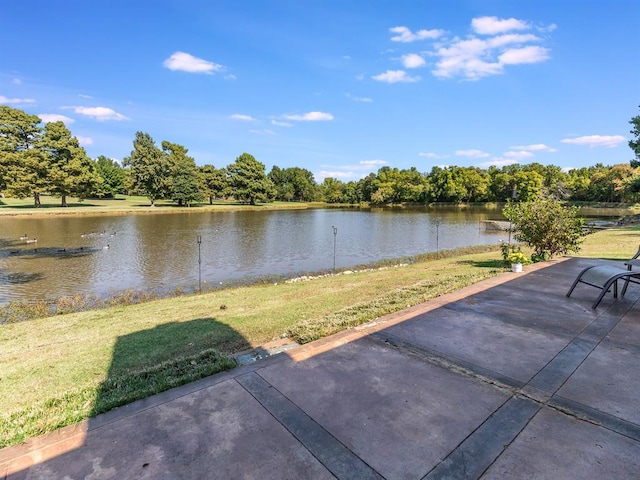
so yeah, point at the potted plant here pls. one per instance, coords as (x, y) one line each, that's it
(517, 260)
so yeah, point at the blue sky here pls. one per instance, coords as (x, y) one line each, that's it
(341, 88)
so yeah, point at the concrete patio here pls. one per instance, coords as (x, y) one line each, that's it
(507, 379)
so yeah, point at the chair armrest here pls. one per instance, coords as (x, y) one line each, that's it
(632, 263)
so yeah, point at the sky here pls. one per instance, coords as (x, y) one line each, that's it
(339, 87)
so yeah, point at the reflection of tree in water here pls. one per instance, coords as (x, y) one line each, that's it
(166, 356)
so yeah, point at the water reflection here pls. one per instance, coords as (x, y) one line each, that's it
(102, 255)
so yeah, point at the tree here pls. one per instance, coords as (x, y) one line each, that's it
(184, 187)
(71, 171)
(24, 169)
(293, 183)
(215, 182)
(248, 180)
(546, 225)
(112, 174)
(332, 190)
(150, 169)
(635, 144)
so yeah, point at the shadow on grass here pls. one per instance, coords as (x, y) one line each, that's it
(494, 264)
(151, 361)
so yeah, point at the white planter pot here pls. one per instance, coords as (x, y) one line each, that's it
(516, 267)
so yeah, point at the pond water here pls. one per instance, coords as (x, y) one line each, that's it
(106, 254)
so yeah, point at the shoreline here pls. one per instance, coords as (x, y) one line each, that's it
(102, 209)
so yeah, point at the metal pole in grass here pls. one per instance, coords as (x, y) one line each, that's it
(199, 264)
(437, 237)
(335, 234)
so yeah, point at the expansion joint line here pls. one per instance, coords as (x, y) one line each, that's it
(509, 386)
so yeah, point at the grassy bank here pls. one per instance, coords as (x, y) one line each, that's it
(125, 204)
(56, 371)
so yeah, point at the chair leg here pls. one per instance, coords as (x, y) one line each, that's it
(577, 280)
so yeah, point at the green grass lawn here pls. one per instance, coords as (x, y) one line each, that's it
(59, 370)
(123, 204)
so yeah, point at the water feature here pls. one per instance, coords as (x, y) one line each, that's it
(105, 254)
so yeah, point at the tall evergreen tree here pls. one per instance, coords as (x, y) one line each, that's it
(71, 171)
(150, 169)
(24, 169)
(635, 144)
(185, 180)
(215, 182)
(248, 180)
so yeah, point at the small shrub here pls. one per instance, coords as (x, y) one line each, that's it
(546, 225)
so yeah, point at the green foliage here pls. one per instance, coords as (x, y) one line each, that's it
(23, 167)
(113, 177)
(635, 143)
(293, 183)
(71, 171)
(150, 168)
(248, 180)
(184, 186)
(36, 160)
(215, 182)
(546, 225)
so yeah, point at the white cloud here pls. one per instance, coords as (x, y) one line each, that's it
(82, 95)
(14, 101)
(395, 76)
(596, 140)
(363, 165)
(493, 44)
(265, 131)
(499, 162)
(244, 118)
(188, 63)
(100, 113)
(510, 39)
(405, 35)
(466, 58)
(493, 25)
(413, 60)
(432, 155)
(310, 117)
(538, 147)
(321, 175)
(358, 99)
(530, 54)
(54, 117)
(472, 153)
(281, 124)
(16, 81)
(84, 140)
(518, 155)
(371, 163)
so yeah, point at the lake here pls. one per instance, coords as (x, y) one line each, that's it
(105, 254)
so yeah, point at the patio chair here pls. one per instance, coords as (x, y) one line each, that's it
(605, 277)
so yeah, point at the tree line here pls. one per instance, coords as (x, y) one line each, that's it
(36, 159)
